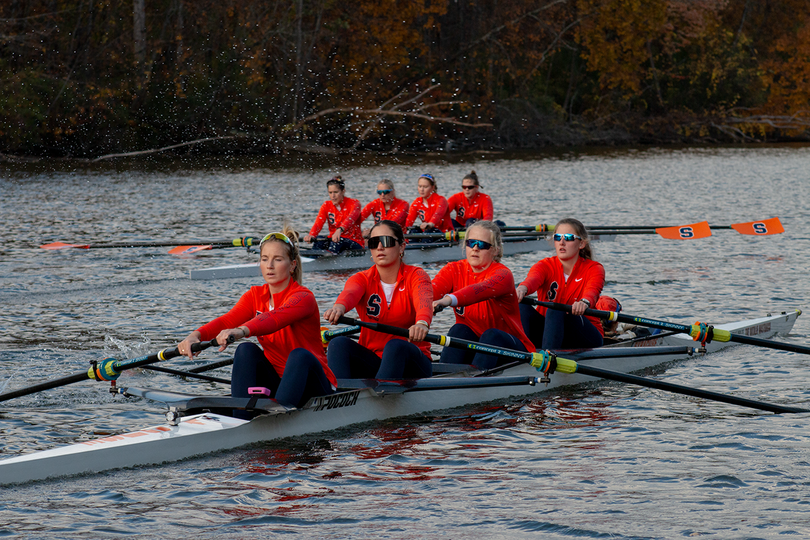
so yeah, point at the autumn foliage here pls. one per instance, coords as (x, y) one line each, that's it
(85, 78)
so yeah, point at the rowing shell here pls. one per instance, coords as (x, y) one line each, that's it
(358, 259)
(355, 402)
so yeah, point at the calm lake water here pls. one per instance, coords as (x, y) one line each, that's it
(606, 460)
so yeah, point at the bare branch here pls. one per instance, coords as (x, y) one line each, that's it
(156, 150)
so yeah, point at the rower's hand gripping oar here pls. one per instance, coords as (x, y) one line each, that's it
(548, 363)
(108, 369)
(701, 332)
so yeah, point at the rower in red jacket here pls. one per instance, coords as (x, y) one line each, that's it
(393, 293)
(283, 315)
(387, 206)
(570, 277)
(470, 205)
(429, 208)
(342, 215)
(481, 290)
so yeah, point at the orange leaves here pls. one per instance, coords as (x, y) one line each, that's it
(616, 36)
(789, 71)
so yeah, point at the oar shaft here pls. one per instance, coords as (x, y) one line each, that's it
(118, 366)
(685, 390)
(64, 381)
(189, 374)
(570, 366)
(445, 341)
(666, 325)
(236, 242)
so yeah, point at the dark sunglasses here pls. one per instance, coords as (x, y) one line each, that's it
(387, 241)
(568, 237)
(480, 244)
(468, 187)
(384, 191)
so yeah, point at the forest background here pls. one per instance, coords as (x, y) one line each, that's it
(86, 78)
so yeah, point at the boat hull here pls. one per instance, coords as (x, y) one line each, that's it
(208, 432)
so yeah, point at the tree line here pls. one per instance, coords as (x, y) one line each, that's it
(86, 78)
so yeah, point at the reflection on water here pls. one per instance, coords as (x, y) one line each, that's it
(607, 459)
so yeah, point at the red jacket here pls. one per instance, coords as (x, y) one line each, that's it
(434, 212)
(412, 301)
(480, 207)
(586, 281)
(485, 300)
(398, 212)
(294, 323)
(347, 217)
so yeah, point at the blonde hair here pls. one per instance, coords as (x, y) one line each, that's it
(497, 237)
(292, 250)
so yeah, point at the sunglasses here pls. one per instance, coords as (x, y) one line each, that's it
(384, 191)
(468, 187)
(567, 236)
(386, 241)
(480, 244)
(429, 177)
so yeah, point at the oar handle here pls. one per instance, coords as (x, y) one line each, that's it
(165, 354)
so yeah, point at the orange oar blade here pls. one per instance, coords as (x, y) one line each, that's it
(760, 228)
(686, 232)
(62, 245)
(187, 250)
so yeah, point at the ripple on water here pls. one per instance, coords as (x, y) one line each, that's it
(604, 460)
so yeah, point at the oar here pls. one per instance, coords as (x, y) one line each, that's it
(106, 370)
(189, 374)
(548, 363)
(674, 232)
(699, 331)
(236, 242)
(187, 249)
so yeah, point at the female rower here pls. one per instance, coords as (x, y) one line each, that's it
(342, 216)
(570, 277)
(481, 290)
(470, 205)
(283, 315)
(429, 207)
(389, 292)
(387, 206)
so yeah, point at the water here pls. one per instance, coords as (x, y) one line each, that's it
(608, 460)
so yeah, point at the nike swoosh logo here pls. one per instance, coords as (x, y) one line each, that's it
(402, 289)
(578, 280)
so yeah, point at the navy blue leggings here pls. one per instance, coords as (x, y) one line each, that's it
(336, 247)
(303, 378)
(559, 330)
(400, 360)
(493, 336)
